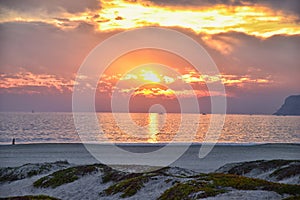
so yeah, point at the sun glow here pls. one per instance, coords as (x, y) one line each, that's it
(150, 76)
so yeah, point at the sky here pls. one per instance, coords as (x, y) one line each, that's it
(255, 45)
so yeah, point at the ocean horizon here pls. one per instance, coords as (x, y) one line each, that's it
(146, 128)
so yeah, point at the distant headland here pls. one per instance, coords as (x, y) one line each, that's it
(291, 106)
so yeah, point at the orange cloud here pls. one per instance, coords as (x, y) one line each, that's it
(253, 20)
(155, 91)
(241, 81)
(152, 88)
(194, 77)
(113, 15)
(28, 79)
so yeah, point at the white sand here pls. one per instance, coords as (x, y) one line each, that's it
(89, 187)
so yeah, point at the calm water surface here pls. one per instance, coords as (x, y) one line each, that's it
(146, 128)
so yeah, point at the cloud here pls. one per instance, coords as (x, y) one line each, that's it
(274, 58)
(53, 6)
(29, 83)
(288, 6)
(259, 20)
(155, 92)
(43, 48)
(256, 47)
(221, 43)
(168, 79)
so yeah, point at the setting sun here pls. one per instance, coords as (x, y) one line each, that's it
(150, 76)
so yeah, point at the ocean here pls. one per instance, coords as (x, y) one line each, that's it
(147, 128)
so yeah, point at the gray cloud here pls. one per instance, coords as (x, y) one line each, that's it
(43, 48)
(52, 6)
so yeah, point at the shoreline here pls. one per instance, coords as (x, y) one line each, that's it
(76, 153)
(155, 144)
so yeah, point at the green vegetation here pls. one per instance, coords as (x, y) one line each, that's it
(205, 185)
(193, 189)
(39, 197)
(66, 176)
(128, 187)
(17, 173)
(244, 183)
(129, 184)
(74, 173)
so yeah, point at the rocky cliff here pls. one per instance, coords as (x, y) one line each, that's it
(291, 106)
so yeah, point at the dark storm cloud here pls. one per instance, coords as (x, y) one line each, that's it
(50, 6)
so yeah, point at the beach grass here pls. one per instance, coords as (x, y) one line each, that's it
(206, 185)
(28, 170)
(127, 187)
(66, 176)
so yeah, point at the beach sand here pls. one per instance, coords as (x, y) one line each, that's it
(16, 155)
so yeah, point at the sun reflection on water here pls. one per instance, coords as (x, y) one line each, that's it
(155, 122)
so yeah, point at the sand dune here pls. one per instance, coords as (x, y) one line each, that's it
(98, 181)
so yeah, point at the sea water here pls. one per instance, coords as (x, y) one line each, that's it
(147, 128)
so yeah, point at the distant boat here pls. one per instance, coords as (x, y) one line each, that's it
(203, 113)
(32, 111)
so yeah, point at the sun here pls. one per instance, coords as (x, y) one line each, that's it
(150, 76)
